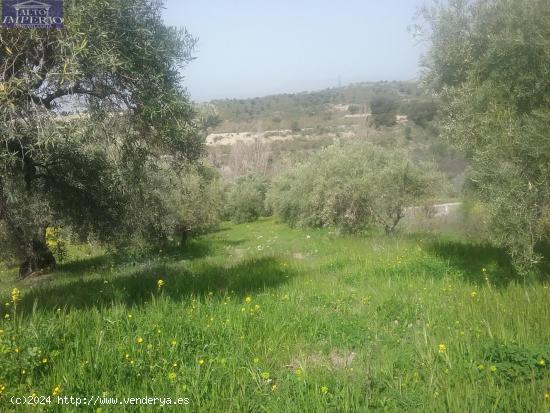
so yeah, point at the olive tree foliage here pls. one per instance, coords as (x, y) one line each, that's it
(353, 188)
(422, 112)
(196, 203)
(246, 198)
(490, 64)
(384, 109)
(208, 117)
(120, 66)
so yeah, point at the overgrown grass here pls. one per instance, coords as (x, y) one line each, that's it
(260, 317)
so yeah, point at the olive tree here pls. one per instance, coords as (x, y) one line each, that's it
(117, 64)
(246, 198)
(489, 63)
(196, 202)
(353, 188)
(384, 109)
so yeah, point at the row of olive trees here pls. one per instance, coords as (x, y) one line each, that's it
(352, 187)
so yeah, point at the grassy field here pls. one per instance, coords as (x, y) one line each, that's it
(263, 318)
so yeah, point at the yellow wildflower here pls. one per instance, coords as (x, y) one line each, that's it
(248, 300)
(542, 362)
(44, 360)
(324, 390)
(481, 367)
(56, 390)
(442, 348)
(172, 376)
(160, 284)
(473, 294)
(493, 369)
(173, 343)
(201, 362)
(15, 293)
(139, 340)
(264, 375)
(256, 360)
(546, 396)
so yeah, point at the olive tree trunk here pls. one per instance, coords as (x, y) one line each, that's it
(39, 258)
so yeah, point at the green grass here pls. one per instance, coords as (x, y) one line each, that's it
(330, 325)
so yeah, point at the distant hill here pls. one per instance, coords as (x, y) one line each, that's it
(329, 107)
(290, 127)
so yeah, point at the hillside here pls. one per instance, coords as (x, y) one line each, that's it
(292, 126)
(325, 108)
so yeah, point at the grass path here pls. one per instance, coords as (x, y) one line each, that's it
(263, 318)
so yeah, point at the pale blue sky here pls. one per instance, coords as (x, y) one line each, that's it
(253, 48)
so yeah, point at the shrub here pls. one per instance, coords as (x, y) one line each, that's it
(353, 188)
(354, 109)
(422, 112)
(384, 110)
(202, 196)
(246, 200)
(189, 202)
(408, 133)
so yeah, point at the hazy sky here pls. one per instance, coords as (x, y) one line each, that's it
(253, 48)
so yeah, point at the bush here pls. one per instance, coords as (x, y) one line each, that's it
(353, 188)
(408, 133)
(246, 200)
(200, 208)
(188, 203)
(354, 109)
(422, 112)
(384, 110)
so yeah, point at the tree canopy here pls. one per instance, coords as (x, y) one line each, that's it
(118, 66)
(489, 62)
(354, 187)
